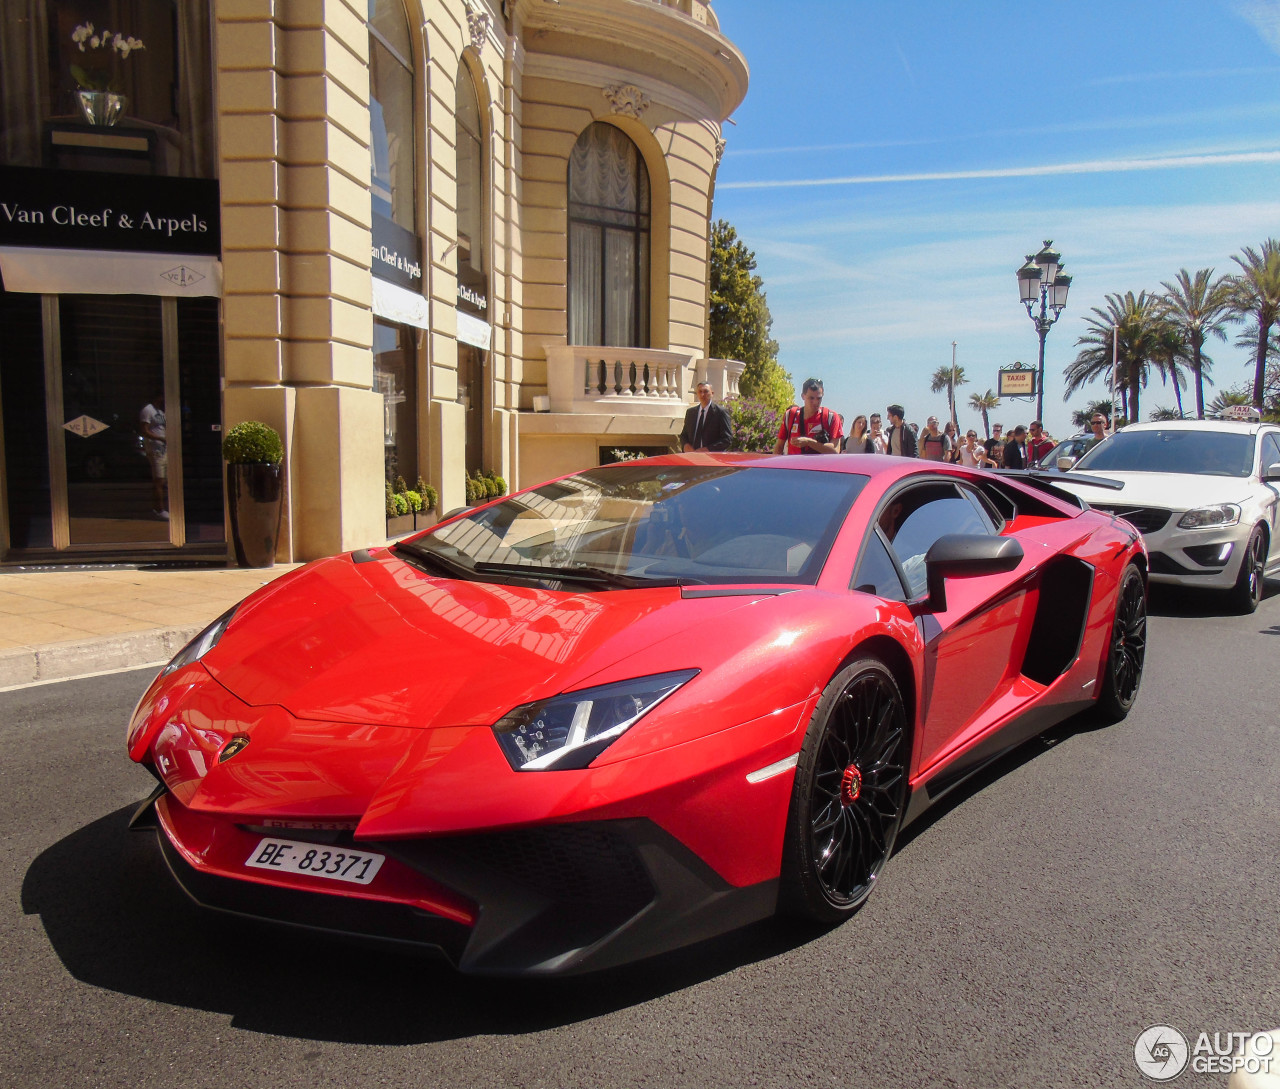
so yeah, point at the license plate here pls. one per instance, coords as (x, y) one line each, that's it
(290, 856)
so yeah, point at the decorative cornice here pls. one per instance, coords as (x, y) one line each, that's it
(627, 99)
(720, 146)
(478, 25)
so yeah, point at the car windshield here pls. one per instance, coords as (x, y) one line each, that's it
(1203, 453)
(639, 523)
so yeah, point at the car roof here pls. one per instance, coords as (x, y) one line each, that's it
(1237, 427)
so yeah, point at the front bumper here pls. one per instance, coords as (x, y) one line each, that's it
(546, 900)
(1209, 558)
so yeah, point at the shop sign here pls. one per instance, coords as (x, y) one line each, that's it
(1017, 382)
(397, 254)
(85, 210)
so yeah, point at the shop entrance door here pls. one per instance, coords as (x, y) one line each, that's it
(116, 442)
(104, 457)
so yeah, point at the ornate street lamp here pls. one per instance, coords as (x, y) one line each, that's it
(1042, 277)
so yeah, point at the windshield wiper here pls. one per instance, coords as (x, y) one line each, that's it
(432, 557)
(583, 573)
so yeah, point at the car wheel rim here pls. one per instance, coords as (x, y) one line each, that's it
(1256, 564)
(1129, 641)
(858, 787)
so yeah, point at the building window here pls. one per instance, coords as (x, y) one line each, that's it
(391, 112)
(54, 84)
(609, 219)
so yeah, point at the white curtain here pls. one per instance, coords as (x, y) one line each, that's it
(584, 284)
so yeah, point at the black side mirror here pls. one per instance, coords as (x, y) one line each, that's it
(958, 555)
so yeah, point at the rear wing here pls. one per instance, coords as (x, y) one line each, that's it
(1051, 483)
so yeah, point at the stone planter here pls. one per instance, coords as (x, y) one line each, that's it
(253, 495)
(425, 519)
(400, 524)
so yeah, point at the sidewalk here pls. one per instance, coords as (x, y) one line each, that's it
(58, 624)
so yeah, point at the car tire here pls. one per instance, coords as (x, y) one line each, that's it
(849, 795)
(1251, 581)
(1126, 648)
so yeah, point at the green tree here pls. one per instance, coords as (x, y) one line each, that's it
(949, 378)
(1143, 341)
(755, 425)
(1160, 413)
(740, 320)
(1081, 417)
(1198, 306)
(1255, 294)
(983, 403)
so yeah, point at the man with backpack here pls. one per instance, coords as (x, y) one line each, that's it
(809, 428)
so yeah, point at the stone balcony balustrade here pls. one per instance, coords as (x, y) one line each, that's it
(595, 379)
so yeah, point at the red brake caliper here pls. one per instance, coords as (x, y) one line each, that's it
(850, 785)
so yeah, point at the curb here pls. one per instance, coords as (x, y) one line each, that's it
(62, 661)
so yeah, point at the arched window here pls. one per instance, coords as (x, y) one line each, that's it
(472, 241)
(472, 264)
(609, 220)
(391, 112)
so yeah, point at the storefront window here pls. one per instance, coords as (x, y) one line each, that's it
(391, 112)
(395, 375)
(609, 218)
(117, 106)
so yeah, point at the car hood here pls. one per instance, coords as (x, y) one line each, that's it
(1172, 491)
(382, 642)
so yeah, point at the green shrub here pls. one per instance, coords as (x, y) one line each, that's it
(500, 484)
(430, 497)
(414, 499)
(402, 504)
(401, 486)
(475, 490)
(250, 442)
(391, 501)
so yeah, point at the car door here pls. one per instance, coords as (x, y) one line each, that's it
(1271, 456)
(970, 645)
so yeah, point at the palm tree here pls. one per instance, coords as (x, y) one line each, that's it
(1081, 418)
(983, 403)
(1226, 398)
(1170, 353)
(1255, 293)
(1143, 337)
(1160, 414)
(948, 378)
(1198, 307)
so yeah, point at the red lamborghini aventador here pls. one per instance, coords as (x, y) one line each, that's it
(633, 707)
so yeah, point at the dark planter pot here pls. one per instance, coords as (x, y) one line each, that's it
(399, 524)
(425, 519)
(253, 493)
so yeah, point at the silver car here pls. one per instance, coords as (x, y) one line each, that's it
(1204, 495)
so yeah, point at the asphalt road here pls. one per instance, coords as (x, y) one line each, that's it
(1095, 884)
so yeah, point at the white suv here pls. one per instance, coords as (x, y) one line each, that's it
(1204, 495)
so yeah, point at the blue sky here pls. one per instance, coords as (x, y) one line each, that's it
(893, 164)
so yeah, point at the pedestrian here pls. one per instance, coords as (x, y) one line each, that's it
(934, 444)
(1015, 450)
(970, 453)
(1098, 427)
(1038, 443)
(878, 438)
(997, 432)
(859, 440)
(809, 428)
(900, 440)
(707, 425)
(953, 436)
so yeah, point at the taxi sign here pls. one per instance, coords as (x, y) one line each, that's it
(1240, 412)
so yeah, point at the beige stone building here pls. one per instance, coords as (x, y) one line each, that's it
(417, 237)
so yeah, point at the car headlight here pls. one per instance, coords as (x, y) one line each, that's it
(202, 643)
(570, 731)
(1223, 514)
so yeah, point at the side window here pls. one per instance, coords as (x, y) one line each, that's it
(986, 512)
(877, 574)
(914, 519)
(1270, 451)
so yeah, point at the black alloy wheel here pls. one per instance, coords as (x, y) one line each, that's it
(1250, 583)
(1127, 650)
(849, 794)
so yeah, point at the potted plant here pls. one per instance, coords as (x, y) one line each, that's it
(426, 514)
(253, 453)
(98, 94)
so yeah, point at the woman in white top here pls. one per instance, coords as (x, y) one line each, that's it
(972, 455)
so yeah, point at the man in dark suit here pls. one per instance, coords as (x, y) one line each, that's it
(706, 425)
(1015, 450)
(900, 439)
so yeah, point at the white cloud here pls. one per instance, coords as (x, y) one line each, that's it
(1095, 166)
(1264, 15)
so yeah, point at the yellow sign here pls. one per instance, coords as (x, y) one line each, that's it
(1017, 383)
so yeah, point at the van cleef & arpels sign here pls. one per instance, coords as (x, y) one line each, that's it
(82, 210)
